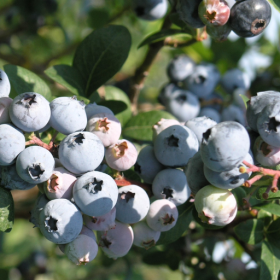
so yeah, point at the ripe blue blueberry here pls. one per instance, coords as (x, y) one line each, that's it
(60, 221)
(171, 184)
(132, 205)
(81, 152)
(95, 193)
(175, 145)
(234, 113)
(68, 115)
(35, 165)
(12, 142)
(150, 9)
(93, 109)
(30, 111)
(224, 146)
(166, 93)
(147, 165)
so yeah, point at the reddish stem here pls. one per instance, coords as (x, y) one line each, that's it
(51, 147)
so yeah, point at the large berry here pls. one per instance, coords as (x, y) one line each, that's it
(249, 18)
(60, 221)
(81, 152)
(162, 216)
(234, 113)
(121, 156)
(30, 111)
(210, 113)
(94, 109)
(215, 206)
(68, 115)
(175, 145)
(224, 146)
(132, 205)
(144, 236)
(116, 243)
(147, 165)
(166, 93)
(171, 184)
(12, 142)
(5, 86)
(95, 193)
(35, 165)
(219, 33)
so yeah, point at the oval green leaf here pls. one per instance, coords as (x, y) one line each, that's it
(23, 80)
(6, 210)
(275, 4)
(140, 126)
(101, 55)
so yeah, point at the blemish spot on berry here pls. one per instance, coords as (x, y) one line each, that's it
(210, 15)
(120, 149)
(168, 220)
(36, 171)
(272, 124)
(50, 223)
(181, 98)
(104, 242)
(168, 193)
(79, 138)
(103, 125)
(95, 186)
(200, 79)
(264, 148)
(94, 220)
(172, 141)
(127, 196)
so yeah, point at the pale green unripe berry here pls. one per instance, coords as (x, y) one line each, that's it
(215, 206)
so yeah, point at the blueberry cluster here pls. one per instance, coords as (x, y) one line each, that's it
(77, 197)
(246, 18)
(192, 93)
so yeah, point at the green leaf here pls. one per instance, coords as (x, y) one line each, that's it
(275, 4)
(67, 76)
(204, 225)
(6, 210)
(250, 231)
(184, 219)
(177, 21)
(270, 262)
(245, 99)
(114, 93)
(161, 35)
(101, 55)
(273, 233)
(270, 207)
(140, 126)
(271, 195)
(239, 194)
(23, 80)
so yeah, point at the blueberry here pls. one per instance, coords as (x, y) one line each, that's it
(214, 96)
(162, 125)
(12, 181)
(214, 12)
(106, 126)
(175, 145)
(234, 79)
(166, 93)
(171, 184)
(219, 33)
(81, 152)
(215, 206)
(83, 249)
(249, 18)
(257, 104)
(234, 113)
(199, 125)
(147, 165)
(183, 105)
(144, 236)
(195, 174)
(35, 165)
(121, 156)
(180, 68)
(5, 103)
(116, 243)
(162, 216)
(39, 205)
(150, 9)
(101, 223)
(266, 154)
(95, 193)
(228, 179)
(30, 111)
(203, 80)
(12, 142)
(68, 115)
(93, 109)
(60, 221)
(188, 12)
(224, 146)
(60, 184)
(210, 113)
(132, 205)
(268, 124)
(5, 86)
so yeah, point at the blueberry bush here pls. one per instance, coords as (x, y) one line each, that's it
(139, 139)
